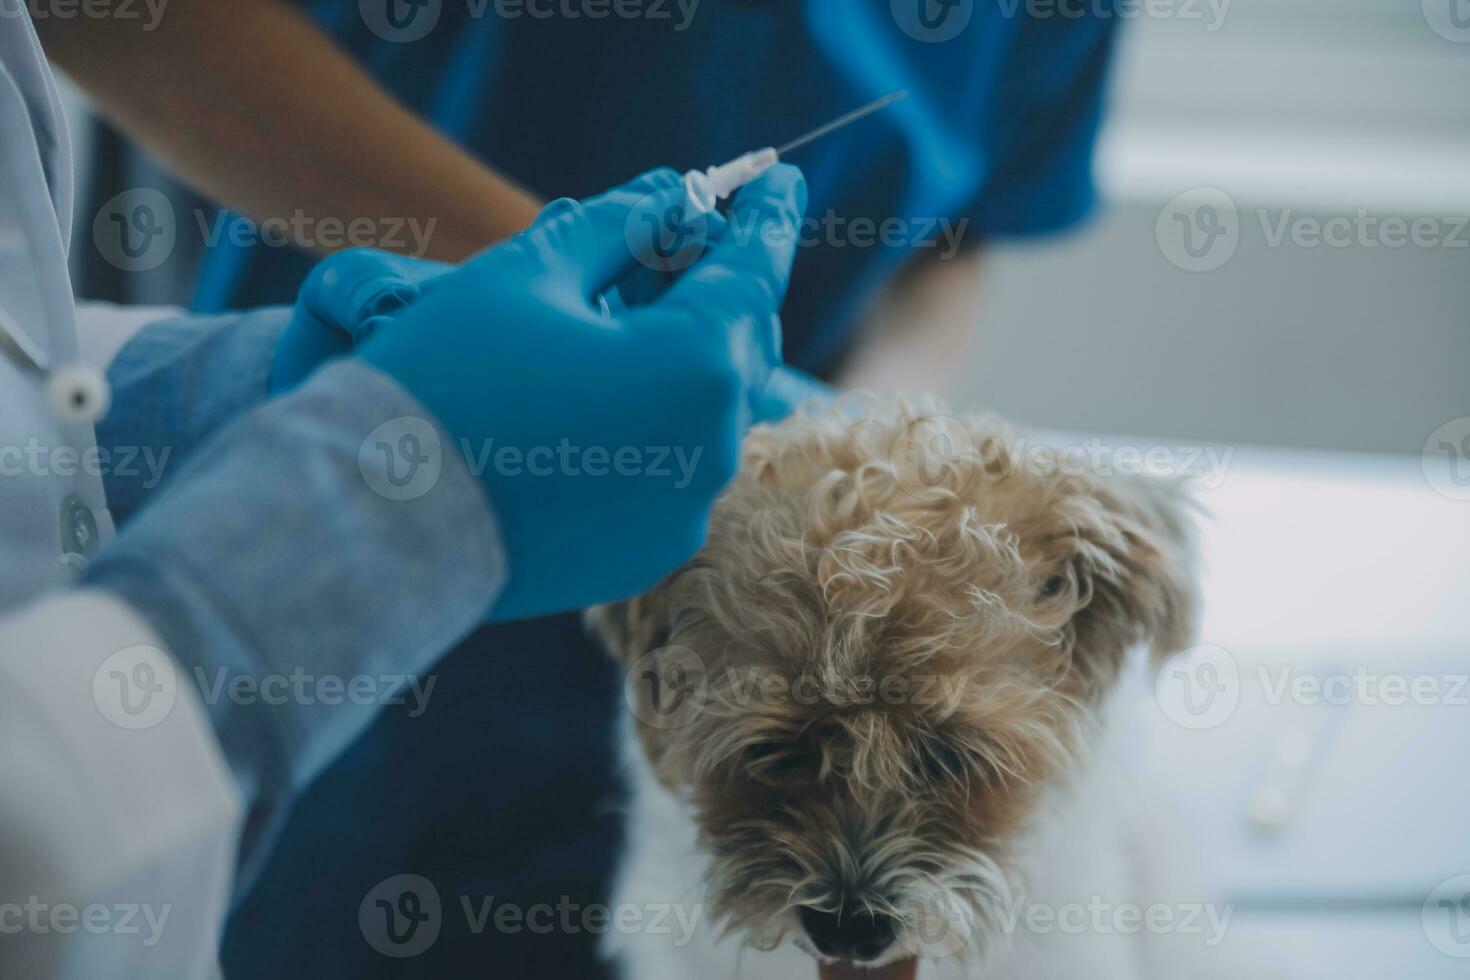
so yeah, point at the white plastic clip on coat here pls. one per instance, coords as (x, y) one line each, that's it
(76, 392)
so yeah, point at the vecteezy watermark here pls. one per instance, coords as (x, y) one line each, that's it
(832, 230)
(1450, 19)
(569, 918)
(664, 234)
(941, 926)
(302, 687)
(406, 21)
(1363, 230)
(1202, 687)
(402, 459)
(1099, 916)
(1363, 686)
(667, 236)
(37, 459)
(138, 230)
(1198, 688)
(401, 21)
(937, 21)
(932, 21)
(136, 688)
(403, 916)
(40, 918)
(147, 13)
(409, 236)
(1208, 465)
(668, 687)
(674, 464)
(1210, 13)
(940, 451)
(1446, 458)
(680, 13)
(1201, 229)
(1445, 917)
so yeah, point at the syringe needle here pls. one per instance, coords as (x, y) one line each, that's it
(841, 121)
(707, 189)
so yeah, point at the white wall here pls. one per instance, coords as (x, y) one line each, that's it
(1306, 110)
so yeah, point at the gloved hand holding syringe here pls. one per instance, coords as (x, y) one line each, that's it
(708, 188)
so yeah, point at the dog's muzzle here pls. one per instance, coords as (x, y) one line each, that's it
(853, 942)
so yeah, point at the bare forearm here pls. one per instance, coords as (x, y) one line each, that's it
(253, 105)
(916, 334)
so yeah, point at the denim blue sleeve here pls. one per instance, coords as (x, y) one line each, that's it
(302, 579)
(1048, 109)
(176, 383)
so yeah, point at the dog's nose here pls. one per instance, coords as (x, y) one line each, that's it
(856, 935)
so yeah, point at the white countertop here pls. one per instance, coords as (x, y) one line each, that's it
(1332, 565)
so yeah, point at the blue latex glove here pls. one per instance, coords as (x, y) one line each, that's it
(350, 294)
(343, 300)
(601, 438)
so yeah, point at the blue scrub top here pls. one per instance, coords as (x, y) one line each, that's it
(998, 129)
(506, 789)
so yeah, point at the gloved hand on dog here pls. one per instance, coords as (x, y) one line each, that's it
(601, 436)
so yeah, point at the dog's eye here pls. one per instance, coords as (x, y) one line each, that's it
(1054, 587)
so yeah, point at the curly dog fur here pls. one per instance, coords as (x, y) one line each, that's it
(899, 636)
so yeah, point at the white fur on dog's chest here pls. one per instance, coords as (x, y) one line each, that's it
(1098, 843)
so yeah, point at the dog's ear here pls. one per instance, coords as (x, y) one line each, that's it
(633, 627)
(1136, 559)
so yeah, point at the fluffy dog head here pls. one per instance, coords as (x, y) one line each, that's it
(890, 646)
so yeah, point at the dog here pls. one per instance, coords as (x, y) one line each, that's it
(867, 723)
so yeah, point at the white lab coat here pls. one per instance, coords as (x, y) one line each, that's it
(117, 844)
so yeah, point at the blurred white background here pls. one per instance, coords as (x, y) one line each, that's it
(1309, 110)
(1336, 821)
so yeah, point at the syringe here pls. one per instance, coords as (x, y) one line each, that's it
(709, 188)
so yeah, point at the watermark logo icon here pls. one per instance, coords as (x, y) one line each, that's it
(402, 458)
(1446, 917)
(401, 21)
(667, 687)
(933, 21)
(664, 234)
(1199, 688)
(1450, 19)
(1446, 459)
(1199, 230)
(941, 926)
(136, 687)
(401, 916)
(933, 451)
(136, 231)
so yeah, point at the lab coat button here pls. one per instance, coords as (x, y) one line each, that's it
(78, 529)
(78, 393)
